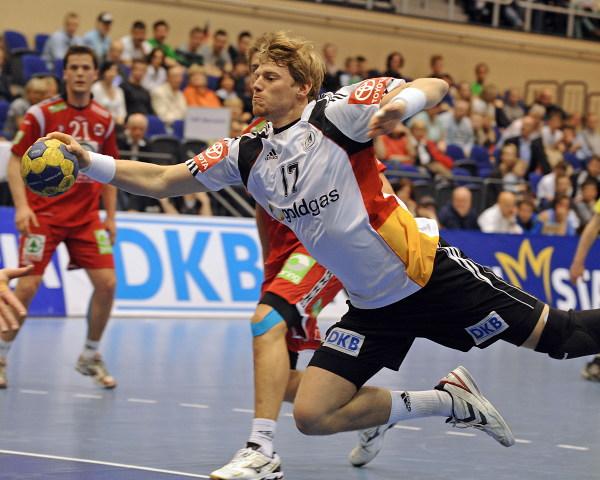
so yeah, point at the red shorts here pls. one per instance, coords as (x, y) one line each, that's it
(88, 245)
(299, 288)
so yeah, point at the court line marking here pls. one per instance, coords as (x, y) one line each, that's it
(98, 462)
(141, 400)
(407, 427)
(243, 410)
(520, 440)
(572, 447)
(34, 392)
(88, 395)
(461, 434)
(194, 405)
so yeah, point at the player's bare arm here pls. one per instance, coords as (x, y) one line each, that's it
(24, 215)
(109, 198)
(140, 178)
(394, 108)
(10, 307)
(588, 236)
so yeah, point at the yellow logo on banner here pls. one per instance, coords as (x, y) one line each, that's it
(516, 269)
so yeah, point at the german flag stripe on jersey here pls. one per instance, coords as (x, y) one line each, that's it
(393, 222)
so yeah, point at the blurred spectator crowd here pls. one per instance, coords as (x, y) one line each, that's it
(481, 160)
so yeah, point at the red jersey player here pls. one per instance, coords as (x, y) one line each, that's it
(72, 217)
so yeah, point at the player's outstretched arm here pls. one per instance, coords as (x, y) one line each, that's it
(405, 101)
(9, 303)
(589, 234)
(140, 178)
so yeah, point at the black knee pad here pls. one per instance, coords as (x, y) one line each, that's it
(570, 334)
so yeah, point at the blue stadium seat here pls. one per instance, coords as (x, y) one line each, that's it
(33, 64)
(212, 82)
(468, 165)
(534, 179)
(178, 129)
(40, 41)
(480, 156)
(4, 105)
(15, 41)
(459, 172)
(155, 126)
(572, 159)
(455, 152)
(58, 67)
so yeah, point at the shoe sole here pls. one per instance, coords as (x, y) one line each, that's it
(485, 405)
(270, 476)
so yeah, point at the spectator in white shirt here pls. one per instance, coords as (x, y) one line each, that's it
(501, 217)
(546, 189)
(589, 137)
(59, 42)
(135, 46)
(156, 74)
(551, 131)
(216, 56)
(457, 125)
(167, 100)
(108, 95)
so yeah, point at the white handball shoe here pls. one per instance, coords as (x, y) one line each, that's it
(471, 409)
(250, 464)
(370, 442)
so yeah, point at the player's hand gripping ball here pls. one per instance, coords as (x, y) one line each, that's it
(48, 168)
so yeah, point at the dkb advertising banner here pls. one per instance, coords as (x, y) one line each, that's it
(186, 266)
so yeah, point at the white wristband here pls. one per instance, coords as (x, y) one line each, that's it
(102, 167)
(415, 100)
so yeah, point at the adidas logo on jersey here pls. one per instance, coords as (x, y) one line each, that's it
(272, 155)
(312, 207)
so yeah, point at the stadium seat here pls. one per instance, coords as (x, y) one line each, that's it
(468, 165)
(455, 152)
(422, 188)
(33, 64)
(168, 144)
(190, 148)
(178, 129)
(458, 172)
(572, 159)
(480, 156)
(477, 196)
(212, 82)
(15, 41)
(443, 193)
(4, 105)
(58, 67)
(534, 179)
(40, 41)
(155, 126)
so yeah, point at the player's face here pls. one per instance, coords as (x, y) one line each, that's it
(80, 74)
(274, 91)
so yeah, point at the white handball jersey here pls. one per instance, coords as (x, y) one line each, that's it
(319, 177)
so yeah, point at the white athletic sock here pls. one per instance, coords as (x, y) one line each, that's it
(4, 348)
(263, 432)
(89, 349)
(408, 405)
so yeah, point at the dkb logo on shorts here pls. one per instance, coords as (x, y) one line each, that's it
(487, 328)
(344, 341)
